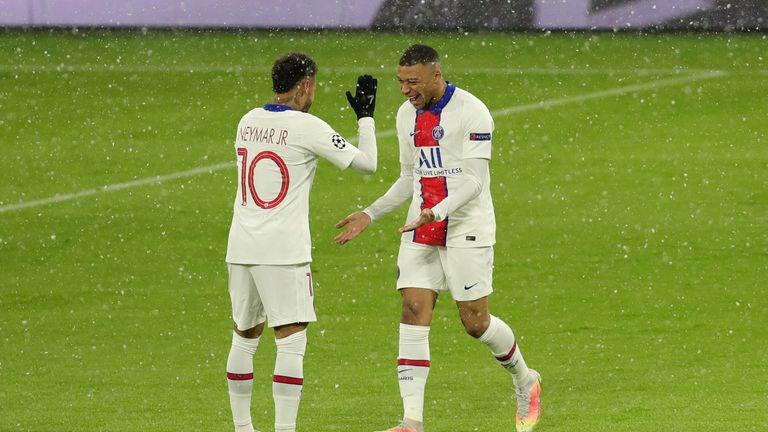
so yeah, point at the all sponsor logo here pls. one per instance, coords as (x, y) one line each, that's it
(430, 157)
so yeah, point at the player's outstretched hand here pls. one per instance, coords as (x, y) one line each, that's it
(424, 218)
(364, 100)
(356, 223)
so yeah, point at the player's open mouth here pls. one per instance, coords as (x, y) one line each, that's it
(414, 99)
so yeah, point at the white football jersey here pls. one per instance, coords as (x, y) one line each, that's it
(277, 150)
(459, 126)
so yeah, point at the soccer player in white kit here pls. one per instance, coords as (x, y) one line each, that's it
(444, 134)
(269, 249)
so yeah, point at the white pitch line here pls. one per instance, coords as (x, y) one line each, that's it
(116, 187)
(610, 92)
(387, 133)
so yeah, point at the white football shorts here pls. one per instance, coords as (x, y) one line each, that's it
(282, 294)
(466, 272)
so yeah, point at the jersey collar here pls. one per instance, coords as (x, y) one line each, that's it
(438, 107)
(277, 107)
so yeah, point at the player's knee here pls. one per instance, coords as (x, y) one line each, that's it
(284, 331)
(473, 330)
(415, 313)
(250, 333)
(410, 314)
(475, 327)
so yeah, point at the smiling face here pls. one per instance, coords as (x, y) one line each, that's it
(422, 84)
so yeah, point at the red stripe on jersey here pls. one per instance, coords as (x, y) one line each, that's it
(509, 354)
(287, 380)
(426, 122)
(433, 189)
(406, 362)
(239, 377)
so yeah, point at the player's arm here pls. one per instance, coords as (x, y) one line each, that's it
(364, 104)
(397, 194)
(470, 185)
(365, 160)
(323, 141)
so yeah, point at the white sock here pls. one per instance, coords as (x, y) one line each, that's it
(413, 369)
(240, 380)
(501, 340)
(288, 380)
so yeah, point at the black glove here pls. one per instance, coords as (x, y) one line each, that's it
(364, 101)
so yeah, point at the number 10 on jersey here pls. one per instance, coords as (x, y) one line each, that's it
(247, 171)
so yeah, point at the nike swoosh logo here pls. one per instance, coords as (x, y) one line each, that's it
(404, 370)
(468, 287)
(414, 133)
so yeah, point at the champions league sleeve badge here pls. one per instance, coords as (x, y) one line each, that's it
(338, 141)
(438, 133)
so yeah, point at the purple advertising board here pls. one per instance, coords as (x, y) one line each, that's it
(189, 13)
(489, 15)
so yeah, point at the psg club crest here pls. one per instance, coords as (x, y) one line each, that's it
(438, 132)
(338, 141)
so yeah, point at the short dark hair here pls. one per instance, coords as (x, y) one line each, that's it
(290, 69)
(419, 54)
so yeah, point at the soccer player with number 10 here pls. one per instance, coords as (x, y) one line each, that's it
(269, 249)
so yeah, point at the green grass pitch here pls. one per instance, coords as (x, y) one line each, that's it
(631, 261)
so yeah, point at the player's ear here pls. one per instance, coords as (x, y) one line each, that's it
(302, 87)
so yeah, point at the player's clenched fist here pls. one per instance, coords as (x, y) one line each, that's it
(364, 100)
(356, 223)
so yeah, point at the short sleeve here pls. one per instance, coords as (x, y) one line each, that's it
(321, 140)
(478, 132)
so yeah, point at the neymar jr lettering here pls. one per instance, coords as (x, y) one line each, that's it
(263, 135)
